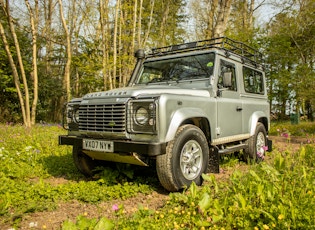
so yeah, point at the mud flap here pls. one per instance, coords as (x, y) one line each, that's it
(269, 144)
(214, 161)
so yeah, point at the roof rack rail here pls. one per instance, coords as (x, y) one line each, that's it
(246, 52)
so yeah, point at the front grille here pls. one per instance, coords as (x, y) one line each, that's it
(110, 118)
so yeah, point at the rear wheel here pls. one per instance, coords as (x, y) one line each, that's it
(257, 144)
(186, 159)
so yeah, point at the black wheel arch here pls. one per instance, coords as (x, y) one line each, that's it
(202, 123)
(264, 121)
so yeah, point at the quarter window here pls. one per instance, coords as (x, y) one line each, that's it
(253, 81)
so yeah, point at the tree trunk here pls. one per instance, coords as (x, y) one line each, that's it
(133, 33)
(15, 74)
(25, 111)
(120, 52)
(115, 44)
(223, 16)
(211, 18)
(245, 14)
(55, 106)
(103, 17)
(69, 54)
(163, 24)
(34, 25)
(309, 110)
(147, 33)
(251, 14)
(48, 11)
(139, 24)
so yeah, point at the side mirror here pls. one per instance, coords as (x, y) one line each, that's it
(227, 79)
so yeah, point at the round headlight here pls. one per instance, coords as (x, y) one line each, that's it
(141, 116)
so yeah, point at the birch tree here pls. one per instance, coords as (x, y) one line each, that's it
(68, 53)
(24, 96)
(104, 26)
(211, 17)
(146, 33)
(222, 18)
(134, 25)
(117, 9)
(34, 15)
(242, 24)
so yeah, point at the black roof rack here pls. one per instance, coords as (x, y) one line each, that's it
(247, 53)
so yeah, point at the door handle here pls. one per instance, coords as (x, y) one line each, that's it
(239, 108)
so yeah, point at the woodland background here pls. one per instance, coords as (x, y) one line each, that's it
(55, 50)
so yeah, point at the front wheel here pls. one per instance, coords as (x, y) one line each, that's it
(186, 159)
(257, 144)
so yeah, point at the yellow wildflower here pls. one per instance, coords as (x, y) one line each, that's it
(265, 226)
(280, 217)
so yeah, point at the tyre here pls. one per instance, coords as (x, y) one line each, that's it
(257, 145)
(185, 161)
(85, 164)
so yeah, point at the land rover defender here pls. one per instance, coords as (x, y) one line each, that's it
(184, 106)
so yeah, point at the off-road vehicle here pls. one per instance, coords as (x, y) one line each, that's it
(184, 106)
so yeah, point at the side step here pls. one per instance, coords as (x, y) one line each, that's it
(232, 149)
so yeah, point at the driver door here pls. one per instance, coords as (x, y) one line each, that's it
(229, 108)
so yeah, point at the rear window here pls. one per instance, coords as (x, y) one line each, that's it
(253, 81)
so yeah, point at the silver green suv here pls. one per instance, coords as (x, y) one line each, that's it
(184, 106)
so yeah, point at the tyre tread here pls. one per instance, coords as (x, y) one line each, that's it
(164, 165)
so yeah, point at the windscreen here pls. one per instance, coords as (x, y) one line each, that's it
(177, 69)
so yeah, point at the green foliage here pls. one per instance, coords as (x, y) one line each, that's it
(289, 49)
(304, 129)
(8, 109)
(88, 64)
(30, 160)
(85, 223)
(167, 28)
(277, 195)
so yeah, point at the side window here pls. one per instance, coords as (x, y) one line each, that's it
(227, 67)
(253, 81)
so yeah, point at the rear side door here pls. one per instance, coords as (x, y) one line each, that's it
(229, 105)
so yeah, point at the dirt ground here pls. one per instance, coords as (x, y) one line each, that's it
(70, 210)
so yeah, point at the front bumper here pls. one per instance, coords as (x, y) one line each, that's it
(120, 146)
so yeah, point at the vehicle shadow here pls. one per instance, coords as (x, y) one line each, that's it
(63, 167)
